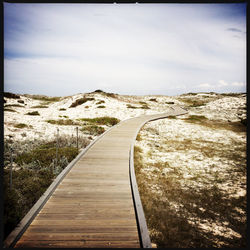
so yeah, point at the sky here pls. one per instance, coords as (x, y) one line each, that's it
(134, 49)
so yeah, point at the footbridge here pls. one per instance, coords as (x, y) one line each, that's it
(94, 202)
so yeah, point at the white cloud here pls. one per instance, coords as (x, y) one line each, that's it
(222, 83)
(127, 47)
(238, 84)
(204, 85)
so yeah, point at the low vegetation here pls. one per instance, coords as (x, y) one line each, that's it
(11, 95)
(62, 109)
(178, 204)
(40, 106)
(33, 113)
(14, 105)
(101, 107)
(43, 98)
(100, 102)
(34, 168)
(81, 101)
(153, 99)
(63, 122)
(172, 117)
(9, 110)
(216, 124)
(21, 125)
(92, 129)
(105, 120)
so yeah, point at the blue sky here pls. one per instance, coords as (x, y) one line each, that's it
(137, 49)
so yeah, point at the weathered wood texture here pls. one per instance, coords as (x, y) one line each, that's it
(93, 204)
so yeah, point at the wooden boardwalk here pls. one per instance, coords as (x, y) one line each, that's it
(93, 204)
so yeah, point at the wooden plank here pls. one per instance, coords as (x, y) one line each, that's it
(93, 205)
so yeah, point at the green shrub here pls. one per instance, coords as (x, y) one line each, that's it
(105, 120)
(153, 99)
(195, 118)
(11, 95)
(33, 113)
(100, 102)
(81, 101)
(93, 129)
(169, 102)
(21, 125)
(46, 155)
(20, 101)
(172, 117)
(145, 106)
(44, 98)
(131, 106)
(9, 110)
(63, 122)
(101, 107)
(40, 106)
(62, 109)
(14, 105)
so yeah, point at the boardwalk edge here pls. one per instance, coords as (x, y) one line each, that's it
(140, 217)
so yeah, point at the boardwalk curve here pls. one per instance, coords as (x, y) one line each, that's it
(95, 201)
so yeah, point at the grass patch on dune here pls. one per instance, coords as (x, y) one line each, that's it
(172, 117)
(81, 101)
(22, 125)
(100, 102)
(43, 98)
(63, 122)
(105, 120)
(92, 129)
(33, 113)
(101, 107)
(193, 102)
(40, 106)
(34, 169)
(14, 105)
(174, 209)
(216, 124)
(9, 110)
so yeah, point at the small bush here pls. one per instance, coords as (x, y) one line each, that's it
(153, 99)
(11, 95)
(99, 91)
(93, 129)
(20, 101)
(131, 107)
(62, 109)
(44, 98)
(195, 118)
(40, 107)
(100, 102)
(105, 120)
(169, 102)
(63, 122)
(21, 125)
(145, 106)
(33, 113)
(172, 117)
(101, 107)
(9, 110)
(81, 101)
(14, 105)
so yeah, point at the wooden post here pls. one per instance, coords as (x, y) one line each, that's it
(57, 146)
(11, 165)
(77, 138)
